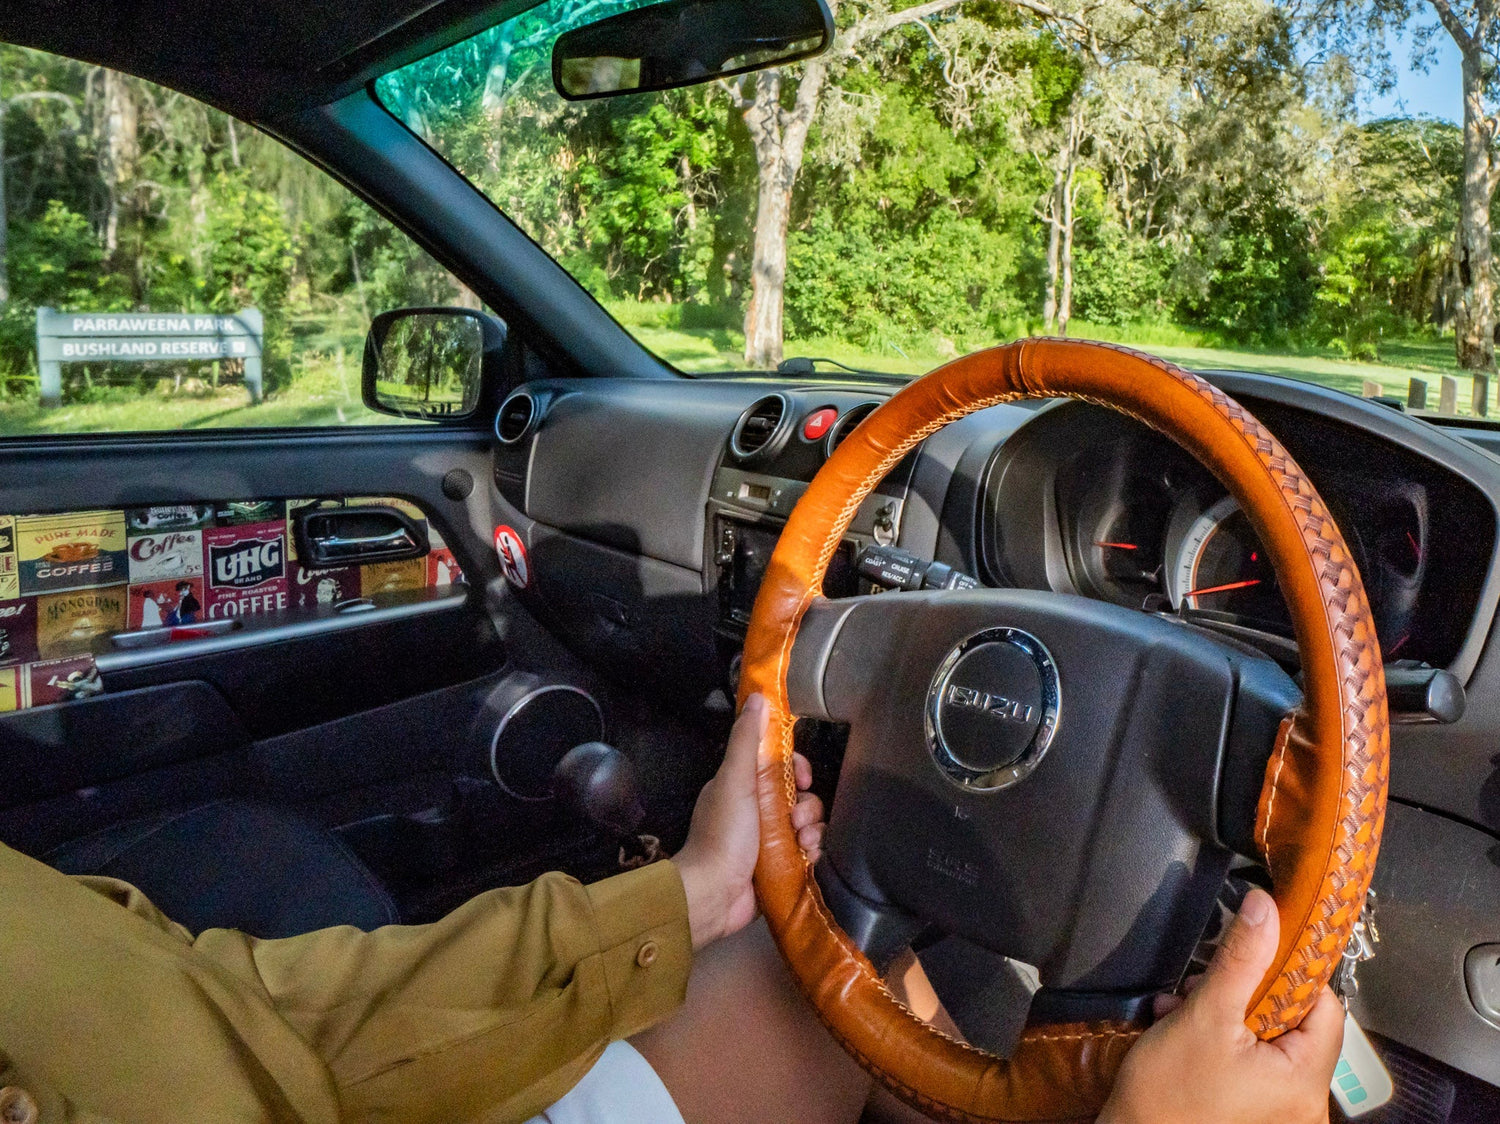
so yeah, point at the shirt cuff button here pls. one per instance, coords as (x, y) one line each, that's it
(16, 1106)
(646, 956)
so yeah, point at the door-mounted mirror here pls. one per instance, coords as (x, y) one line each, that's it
(429, 363)
(683, 42)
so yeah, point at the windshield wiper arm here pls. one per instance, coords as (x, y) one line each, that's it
(802, 366)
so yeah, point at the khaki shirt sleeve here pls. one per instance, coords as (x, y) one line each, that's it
(488, 1015)
(492, 1013)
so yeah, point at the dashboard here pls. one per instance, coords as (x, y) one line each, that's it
(651, 507)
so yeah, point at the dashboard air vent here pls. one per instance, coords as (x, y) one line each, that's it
(516, 415)
(760, 428)
(845, 425)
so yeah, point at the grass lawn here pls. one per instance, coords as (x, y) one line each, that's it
(325, 385)
(701, 350)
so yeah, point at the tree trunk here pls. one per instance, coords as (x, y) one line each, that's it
(780, 139)
(4, 217)
(1474, 320)
(119, 147)
(1065, 301)
(764, 327)
(1054, 253)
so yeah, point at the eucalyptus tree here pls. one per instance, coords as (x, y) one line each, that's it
(1474, 28)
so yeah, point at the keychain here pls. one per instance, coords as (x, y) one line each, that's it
(1361, 1083)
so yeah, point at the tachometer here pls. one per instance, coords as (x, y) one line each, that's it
(1221, 568)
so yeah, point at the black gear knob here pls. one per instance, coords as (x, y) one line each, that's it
(598, 783)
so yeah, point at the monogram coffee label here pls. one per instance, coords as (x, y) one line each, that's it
(69, 623)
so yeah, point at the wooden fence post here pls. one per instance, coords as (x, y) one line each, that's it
(1448, 395)
(1479, 397)
(1416, 394)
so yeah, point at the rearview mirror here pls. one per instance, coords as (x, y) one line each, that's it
(429, 363)
(683, 42)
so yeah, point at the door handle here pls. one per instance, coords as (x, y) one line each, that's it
(355, 546)
(342, 536)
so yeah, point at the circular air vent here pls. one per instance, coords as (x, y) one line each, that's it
(513, 422)
(761, 429)
(845, 425)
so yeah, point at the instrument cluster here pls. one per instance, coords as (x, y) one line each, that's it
(1122, 514)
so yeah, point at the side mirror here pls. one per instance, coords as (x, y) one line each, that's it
(684, 42)
(429, 363)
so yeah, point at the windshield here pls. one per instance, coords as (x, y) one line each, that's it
(957, 174)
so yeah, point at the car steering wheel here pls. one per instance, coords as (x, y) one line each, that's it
(1058, 780)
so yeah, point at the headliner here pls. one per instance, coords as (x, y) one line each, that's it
(256, 59)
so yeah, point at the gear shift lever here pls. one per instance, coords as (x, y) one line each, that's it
(598, 783)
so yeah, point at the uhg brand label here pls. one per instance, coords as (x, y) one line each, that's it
(246, 569)
(246, 564)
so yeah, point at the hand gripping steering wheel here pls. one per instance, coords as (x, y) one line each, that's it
(1058, 780)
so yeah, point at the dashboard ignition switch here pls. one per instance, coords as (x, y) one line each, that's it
(896, 569)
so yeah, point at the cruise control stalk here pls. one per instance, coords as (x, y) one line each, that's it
(896, 569)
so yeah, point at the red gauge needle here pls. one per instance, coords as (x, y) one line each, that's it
(1119, 545)
(1246, 584)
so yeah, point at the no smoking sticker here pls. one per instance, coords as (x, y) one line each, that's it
(512, 554)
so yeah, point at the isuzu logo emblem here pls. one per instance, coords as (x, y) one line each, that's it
(993, 708)
(997, 706)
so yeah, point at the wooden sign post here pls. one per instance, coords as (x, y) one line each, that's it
(145, 337)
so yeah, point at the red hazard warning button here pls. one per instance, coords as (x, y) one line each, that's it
(819, 422)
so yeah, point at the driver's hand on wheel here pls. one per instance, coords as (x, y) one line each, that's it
(718, 860)
(1200, 1063)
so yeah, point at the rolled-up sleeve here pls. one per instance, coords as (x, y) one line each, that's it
(490, 1014)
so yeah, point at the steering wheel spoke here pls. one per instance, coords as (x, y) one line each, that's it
(1102, 868)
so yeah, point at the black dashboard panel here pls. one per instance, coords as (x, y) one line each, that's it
(625, 492)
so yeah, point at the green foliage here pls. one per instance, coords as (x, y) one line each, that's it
(1385, 253)
(1260, 279)
(1214, 195)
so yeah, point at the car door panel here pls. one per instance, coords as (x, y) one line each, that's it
(183, 705)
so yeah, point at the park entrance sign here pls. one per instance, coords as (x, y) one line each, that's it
(145, 337)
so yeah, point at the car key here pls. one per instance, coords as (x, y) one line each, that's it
(1361, 1082)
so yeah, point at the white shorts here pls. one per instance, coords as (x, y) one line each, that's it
(621, 1088)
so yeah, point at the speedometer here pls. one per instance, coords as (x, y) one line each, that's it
(1221, 568)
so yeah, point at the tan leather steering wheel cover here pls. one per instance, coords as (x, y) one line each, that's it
(1322, 807)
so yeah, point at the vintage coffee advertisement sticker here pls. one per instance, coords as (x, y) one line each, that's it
(55, 681)
(314, 588)
(443, 568)
(166, 603)
(69, 623)
(10, 574)
(246, 569)
(170, 554)
(12, 688)
(171, 517)
(18, 632)
(61, 552)
(393, 577)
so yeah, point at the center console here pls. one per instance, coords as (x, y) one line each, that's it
(775, 449)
